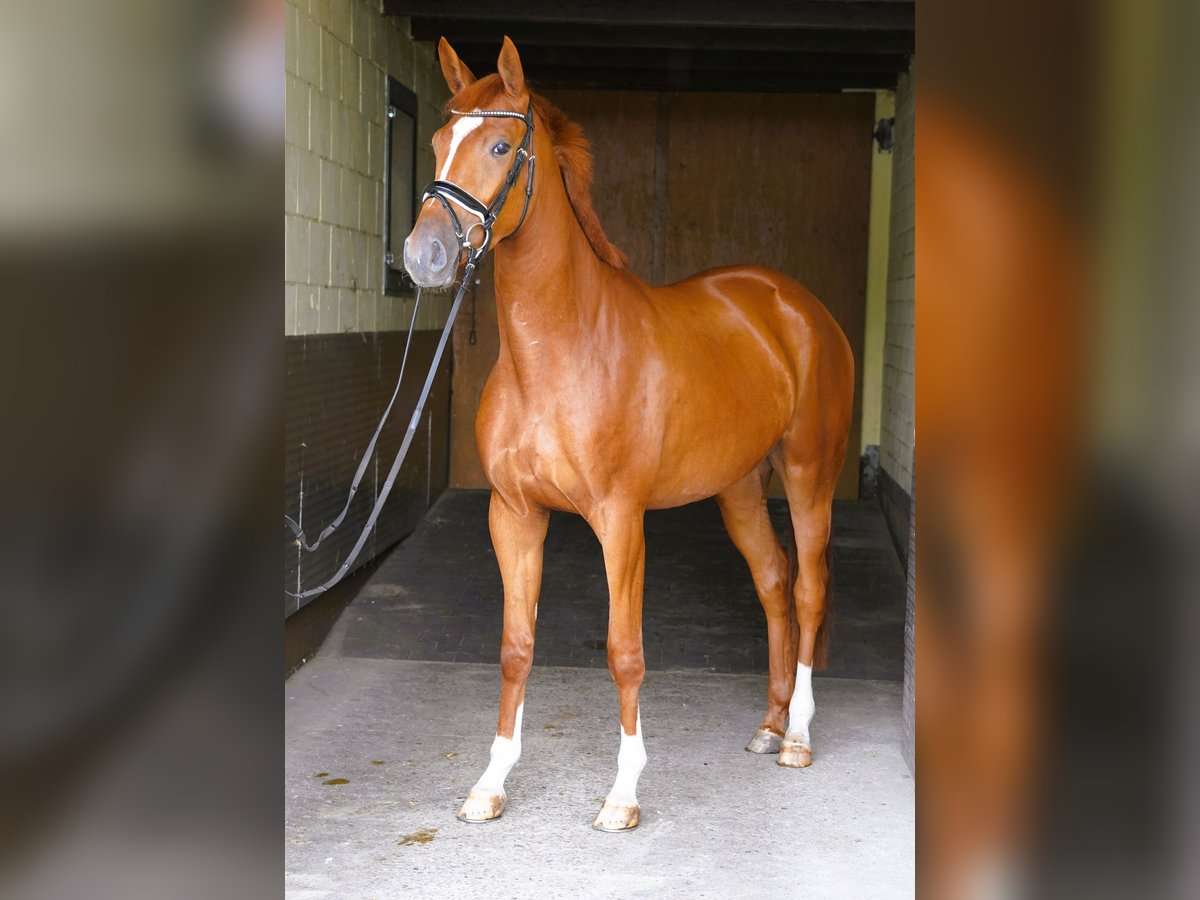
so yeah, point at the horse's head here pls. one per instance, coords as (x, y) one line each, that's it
(475, 155)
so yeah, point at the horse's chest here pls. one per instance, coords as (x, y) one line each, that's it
(541, 451)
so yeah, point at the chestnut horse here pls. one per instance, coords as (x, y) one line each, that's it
(611, 397)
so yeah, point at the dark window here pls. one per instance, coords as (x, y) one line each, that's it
(400, 182)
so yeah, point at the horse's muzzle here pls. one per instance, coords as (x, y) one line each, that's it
(431, 253)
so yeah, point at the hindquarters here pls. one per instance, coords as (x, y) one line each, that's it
(785, 331)
(785, 328)
(809, 459)
(816, 437)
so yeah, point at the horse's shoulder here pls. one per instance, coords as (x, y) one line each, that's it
(494, 412)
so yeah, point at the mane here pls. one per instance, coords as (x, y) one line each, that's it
(571, 149)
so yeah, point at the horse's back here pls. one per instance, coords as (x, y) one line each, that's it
(750, 286)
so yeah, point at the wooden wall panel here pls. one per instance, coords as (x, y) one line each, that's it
(686, 181)
(622, 127)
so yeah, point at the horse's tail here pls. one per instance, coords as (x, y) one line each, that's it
(821, 647)
(821, 650)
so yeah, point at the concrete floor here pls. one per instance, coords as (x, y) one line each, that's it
(410, 737)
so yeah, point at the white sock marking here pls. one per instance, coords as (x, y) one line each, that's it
(631, 759)
(464, 126)
(802, 707)
(505, 753)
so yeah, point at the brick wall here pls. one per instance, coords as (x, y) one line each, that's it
(338, 56)
(897, 432)
(343, 354)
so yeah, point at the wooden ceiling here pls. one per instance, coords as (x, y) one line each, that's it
(704, 45)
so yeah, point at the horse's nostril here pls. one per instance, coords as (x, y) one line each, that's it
(438, 258)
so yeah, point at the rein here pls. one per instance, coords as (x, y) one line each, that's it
(446, 193)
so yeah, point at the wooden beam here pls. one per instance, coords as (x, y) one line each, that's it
(710, 80)
(482, 58)
(550, 34)
(847, 14)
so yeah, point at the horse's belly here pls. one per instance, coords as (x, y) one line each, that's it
(703, 458)
(657, 455)
(686, 482)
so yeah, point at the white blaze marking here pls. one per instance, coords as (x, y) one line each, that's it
(802, 707)
(505, 753)
(464, 126)
(631, 759)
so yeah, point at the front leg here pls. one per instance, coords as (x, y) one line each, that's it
(622, 537)
(518, 541)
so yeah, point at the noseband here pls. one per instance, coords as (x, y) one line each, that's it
(448, 193)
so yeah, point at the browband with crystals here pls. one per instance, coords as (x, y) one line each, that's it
(493, 113)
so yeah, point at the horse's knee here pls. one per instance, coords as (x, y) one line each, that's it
(771, 586)
(627, 664)
(770, 575)
(810, 605)
(516, 658)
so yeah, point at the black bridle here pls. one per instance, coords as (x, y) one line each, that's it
(448, 193)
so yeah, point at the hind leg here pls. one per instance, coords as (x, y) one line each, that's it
(810, 500)
(744, 509)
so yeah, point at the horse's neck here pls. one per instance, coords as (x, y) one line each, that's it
(548, 283)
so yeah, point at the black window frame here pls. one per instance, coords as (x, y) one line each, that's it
(400, 101)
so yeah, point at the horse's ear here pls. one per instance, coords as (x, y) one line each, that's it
(458, 76)
(509, 67)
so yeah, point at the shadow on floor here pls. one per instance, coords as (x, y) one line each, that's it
(438, 595)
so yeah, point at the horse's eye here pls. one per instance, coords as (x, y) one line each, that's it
(500, 149)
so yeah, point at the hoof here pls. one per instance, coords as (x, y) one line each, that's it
(795, 755)
(617, 817)
(481, 807)
(764, 741)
